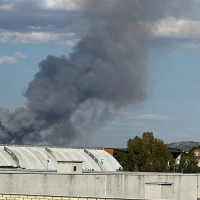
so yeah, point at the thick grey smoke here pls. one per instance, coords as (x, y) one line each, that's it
(107, 64)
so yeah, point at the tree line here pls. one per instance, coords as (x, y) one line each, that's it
(150, 154)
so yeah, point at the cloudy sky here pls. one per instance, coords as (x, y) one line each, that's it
(31, 30)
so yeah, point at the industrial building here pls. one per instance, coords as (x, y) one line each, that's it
(46, 157)
(44, 172)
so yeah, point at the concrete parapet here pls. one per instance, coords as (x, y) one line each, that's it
(35, 197)
(109, 185)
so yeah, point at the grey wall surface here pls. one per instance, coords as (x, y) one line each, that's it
(119, 185)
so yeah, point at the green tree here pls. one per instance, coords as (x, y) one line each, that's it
(149, 154)
(195, 147)
(122, 158)
(188, 163)
(182, 166)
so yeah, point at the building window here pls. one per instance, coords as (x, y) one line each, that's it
(74, 168)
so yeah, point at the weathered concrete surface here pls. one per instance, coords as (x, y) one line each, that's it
(113, 185)
(158, 190)
(33, 197)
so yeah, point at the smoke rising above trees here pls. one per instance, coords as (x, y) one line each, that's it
(106, 65)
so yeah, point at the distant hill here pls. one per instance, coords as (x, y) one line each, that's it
(183, 145)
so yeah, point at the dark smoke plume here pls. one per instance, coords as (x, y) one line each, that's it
(107, 65)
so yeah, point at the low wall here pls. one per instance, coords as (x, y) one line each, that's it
(33, 197)
(98, 185)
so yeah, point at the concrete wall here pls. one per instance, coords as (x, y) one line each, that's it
(35, 197)
(161, 191)
(97, 185)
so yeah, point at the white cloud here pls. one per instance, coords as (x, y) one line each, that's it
(20, 55)
(184, 32)
(37, 38)
(12, 59)
(42, 4)
(58, 4)
(70, 42)
(154, 117)
(7, 60)
(6, 7)
(178, 28)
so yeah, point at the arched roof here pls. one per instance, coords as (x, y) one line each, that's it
(46, 157)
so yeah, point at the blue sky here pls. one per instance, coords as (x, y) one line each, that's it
(171, 109)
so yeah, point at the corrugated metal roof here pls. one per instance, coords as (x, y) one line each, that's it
(6, 159)
(37, 157)
(103, 158)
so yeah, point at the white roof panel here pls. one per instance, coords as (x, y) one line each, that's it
(33, 157)
(5, 158)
